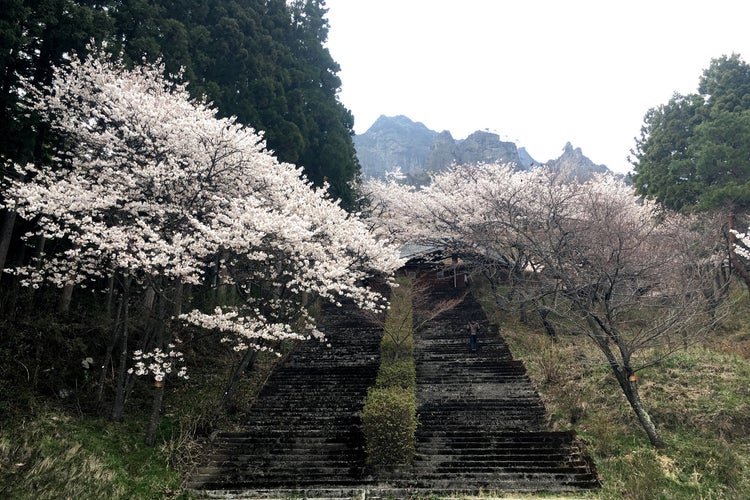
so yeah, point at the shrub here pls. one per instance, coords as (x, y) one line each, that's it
(389, 424)
(389, 417)
(400, 373)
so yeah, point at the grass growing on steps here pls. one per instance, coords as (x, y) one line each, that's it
(389, 416)
(699, 400)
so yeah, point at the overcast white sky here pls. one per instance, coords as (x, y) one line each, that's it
(539, 73)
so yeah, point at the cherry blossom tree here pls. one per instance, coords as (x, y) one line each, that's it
(152, 188)
(604, 263)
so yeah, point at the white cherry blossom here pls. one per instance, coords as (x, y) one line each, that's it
(154, 185)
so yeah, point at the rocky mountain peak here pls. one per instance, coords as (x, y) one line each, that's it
(393, 142)
(398, 142)
(574, 165)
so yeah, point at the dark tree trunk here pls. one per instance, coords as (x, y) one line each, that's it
(118, 408)
(493, 287)
(227, 400)
(63, 306)
(110, 349)
(38, 351)
(153, 421)
(6, 234)
(11, 308)
(178, 294)
(148, 298)
(628, 382)
(163, 334)
(38, 255)
(548, 327)
(110, 294)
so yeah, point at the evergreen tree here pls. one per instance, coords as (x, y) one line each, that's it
(664, 169)
(694, 152)
(34, 36)
(263, 61)
(330, 153)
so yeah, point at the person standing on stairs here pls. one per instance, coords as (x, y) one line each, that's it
(473, 328)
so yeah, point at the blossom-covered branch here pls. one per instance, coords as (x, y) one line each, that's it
(152, 184)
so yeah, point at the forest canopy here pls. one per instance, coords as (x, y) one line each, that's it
(263, 61)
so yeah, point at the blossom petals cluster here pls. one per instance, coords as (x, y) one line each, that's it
(154, 185)
(159, 363)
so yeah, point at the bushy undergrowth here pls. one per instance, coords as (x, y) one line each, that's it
(699, 400)
(56, 455)
(389, 416)
(56, 440)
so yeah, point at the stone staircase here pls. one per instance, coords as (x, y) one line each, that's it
(482, 424)
(304, 429)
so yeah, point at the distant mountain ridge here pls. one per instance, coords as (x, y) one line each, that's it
(398, 142)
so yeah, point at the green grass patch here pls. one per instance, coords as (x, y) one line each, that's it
(59, 456)
(699, 400)
(389, 416)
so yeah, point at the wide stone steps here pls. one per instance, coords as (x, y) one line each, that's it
(493, 481)
(462, 379)
(304, 428)
(481, 422)
(316, 445)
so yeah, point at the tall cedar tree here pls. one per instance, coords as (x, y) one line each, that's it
(263, 61)
(694, 152)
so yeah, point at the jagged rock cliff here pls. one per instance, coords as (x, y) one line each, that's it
(479, 147)
(398, 142)
(443, 151)
(574, 165)
(394, 142)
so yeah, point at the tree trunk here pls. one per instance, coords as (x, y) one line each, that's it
(12, 308)
(548, 327)
(493, 287)
(227, 400)
(153, 421)
(110, 349)
(178, 294)
(213, 282)
(37, 360)
(629, 384)
(63, 306)
(148, 298)
(110, 294)
(6, 234)
(162, 336)
(41, 242)
(118, 408)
